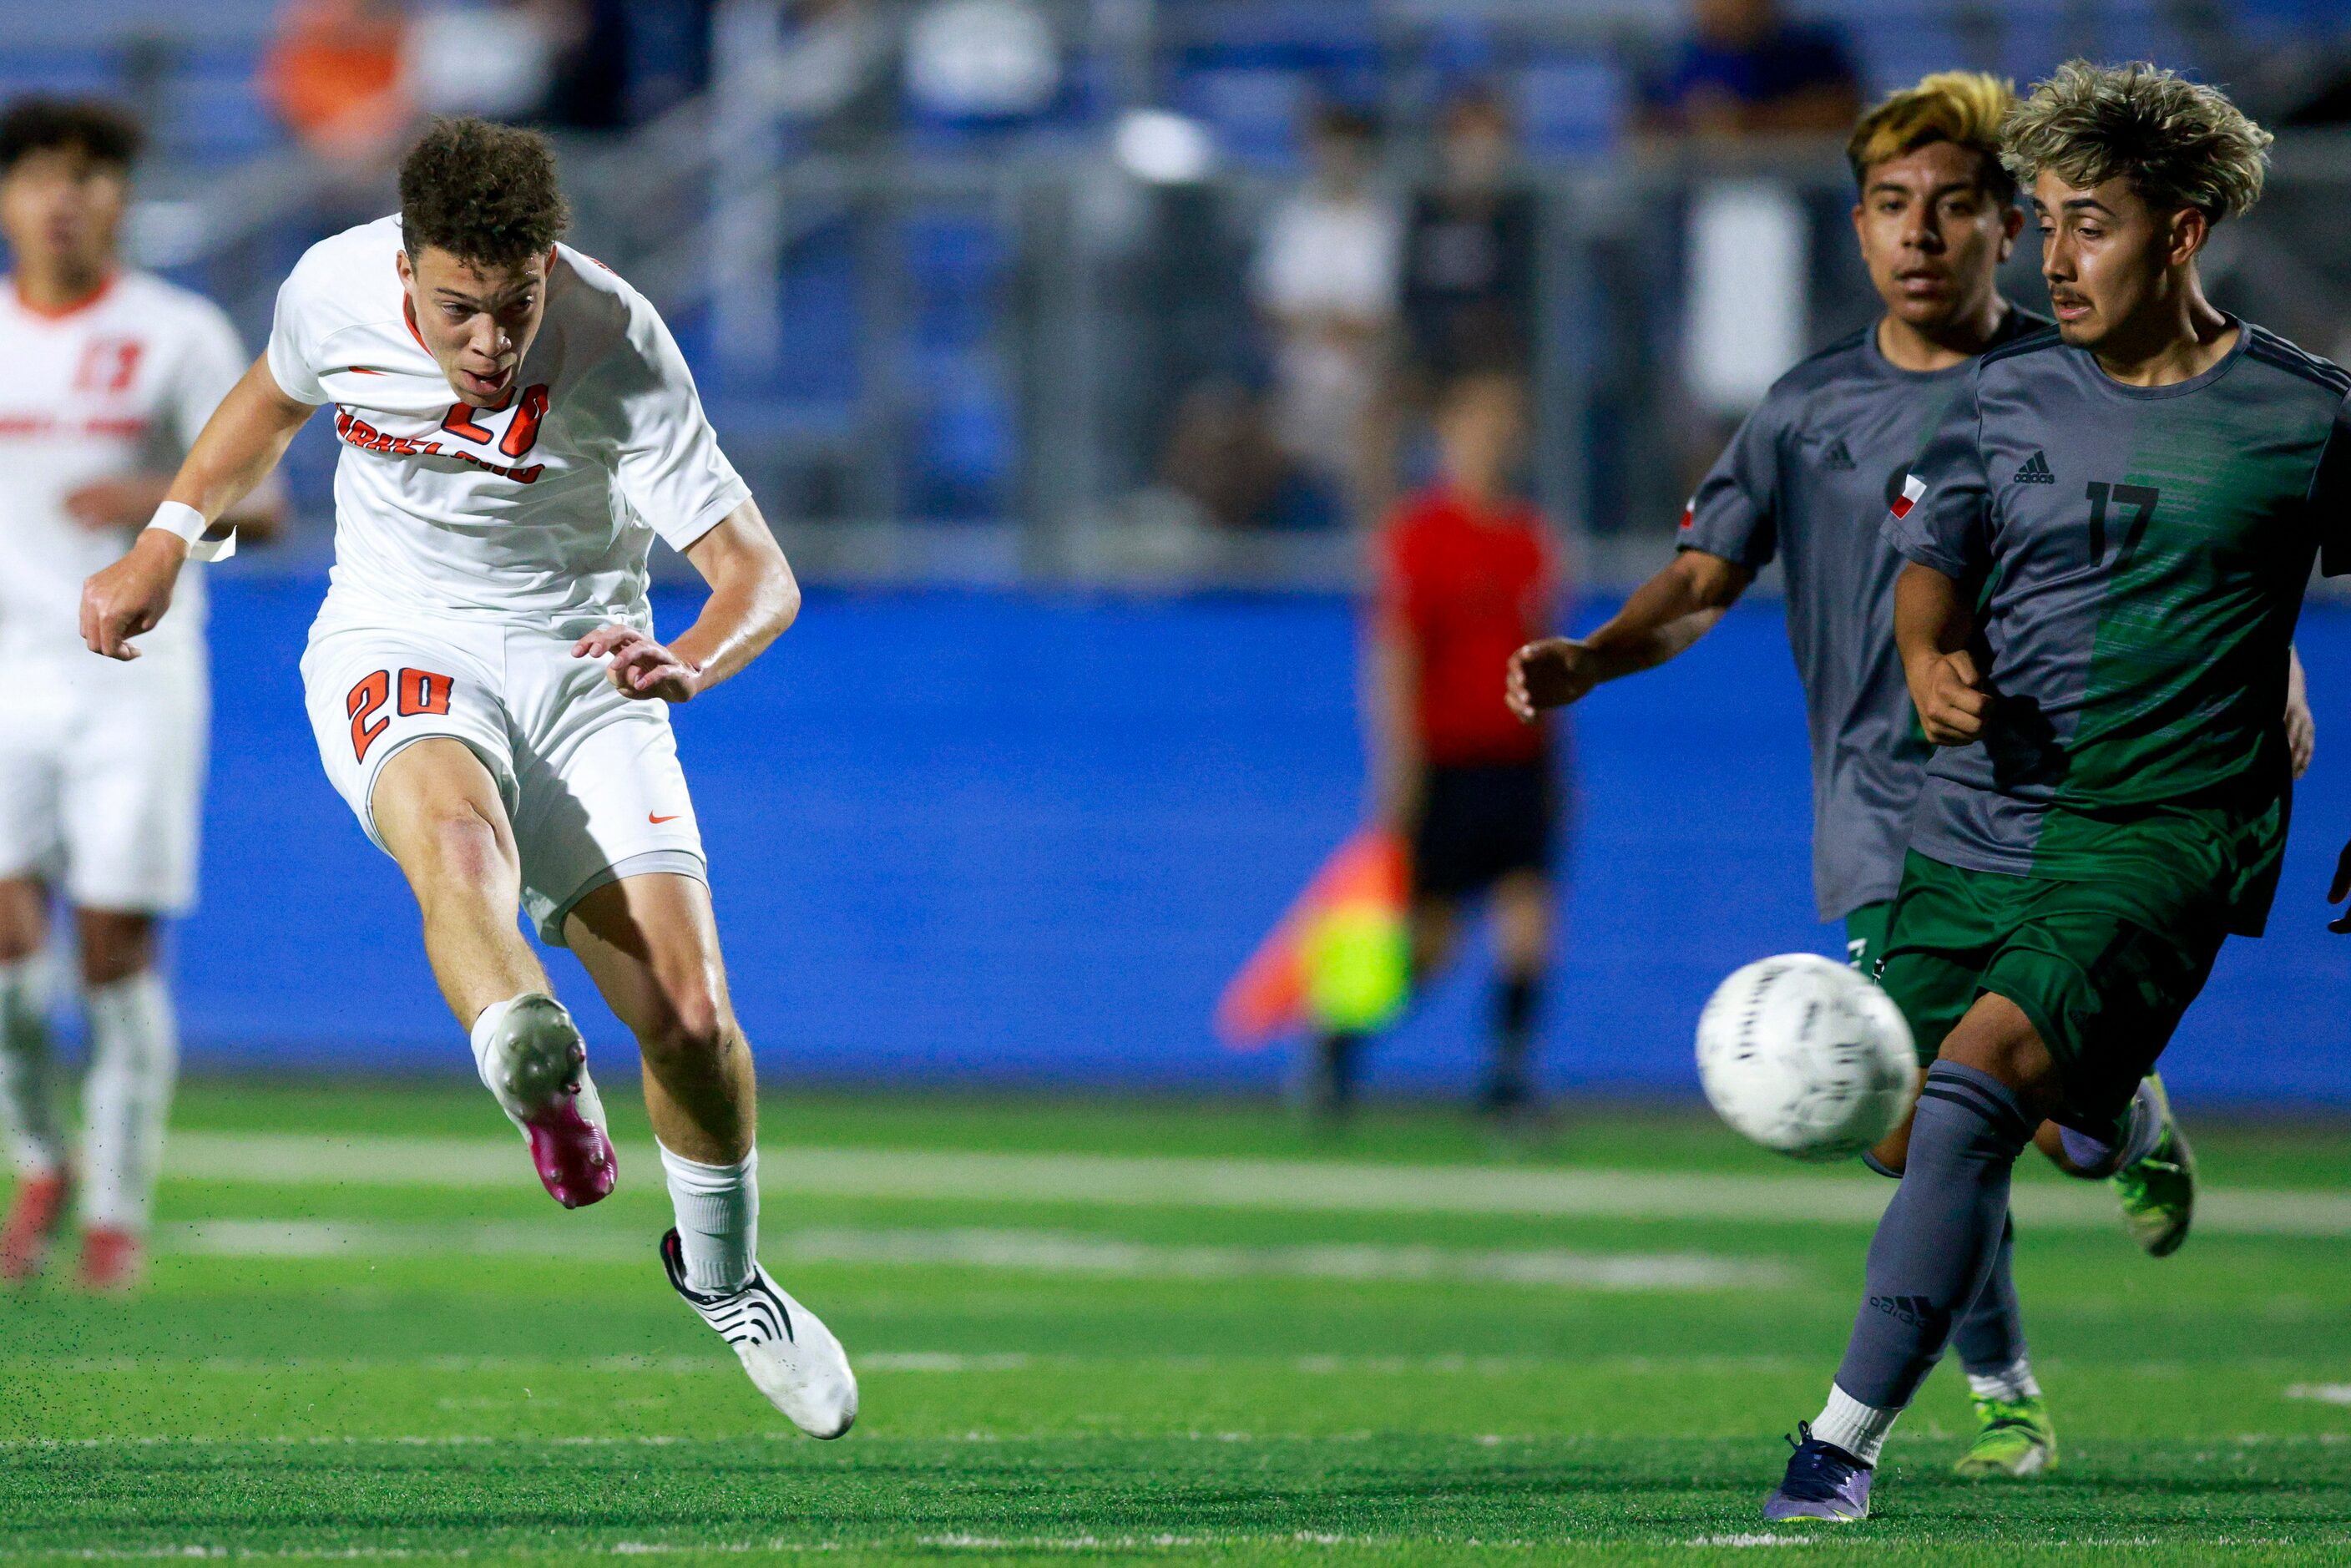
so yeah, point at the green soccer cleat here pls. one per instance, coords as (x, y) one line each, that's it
(2015, 1440)
(2159, 1193)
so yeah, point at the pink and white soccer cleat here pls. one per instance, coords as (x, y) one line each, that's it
(114, 1260)
(536, 1065)
(35, 1215)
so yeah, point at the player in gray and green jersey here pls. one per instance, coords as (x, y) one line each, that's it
(1807, 479)
(2108, 538)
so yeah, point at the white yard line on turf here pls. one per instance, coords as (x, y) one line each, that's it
(1171, 1182)
(1038, 1251)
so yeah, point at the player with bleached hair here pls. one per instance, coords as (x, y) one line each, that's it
(2107, 536)
(1806, 480)
(484, 683)
(110, 374)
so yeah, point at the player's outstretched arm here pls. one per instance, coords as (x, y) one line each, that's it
(1933, 620)
(1665, 615)
(753, 598)
(235, 451)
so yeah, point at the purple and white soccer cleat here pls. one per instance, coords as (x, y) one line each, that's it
(1822, 1482)
(536, 1065)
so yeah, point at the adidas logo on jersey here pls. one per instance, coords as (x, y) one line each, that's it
(2036, 471)
(1837, 457)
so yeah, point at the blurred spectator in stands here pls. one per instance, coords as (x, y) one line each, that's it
(1747, 68)
(1469, 251)
(491, 58)
(335, 74)
(1325, 283)
(980, 61)
(619, 63)
(1222, 455)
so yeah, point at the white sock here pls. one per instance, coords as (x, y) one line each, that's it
(2011, 1383)
(484, 1026)
(134, 1058)
(28, 1098)
(718, 1218)
(1859, 1429)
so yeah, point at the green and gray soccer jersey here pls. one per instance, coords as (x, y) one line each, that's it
(2146, 552)
(1808, 478)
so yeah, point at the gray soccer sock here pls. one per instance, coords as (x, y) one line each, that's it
(1940, 1236)
(2140, 1129)
(1990, 1335)
(28, 1097)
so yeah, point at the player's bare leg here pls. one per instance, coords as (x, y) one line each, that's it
(1522, 936)
(438, 811)
(134, 1058)
(28, 1098)
(650, 944)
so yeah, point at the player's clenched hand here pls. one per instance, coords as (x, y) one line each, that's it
(131, 596)
(1552, 673)
(1952, 699)
(2341, 890)
(640, 667)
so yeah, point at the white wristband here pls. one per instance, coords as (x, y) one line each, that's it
(177, 518)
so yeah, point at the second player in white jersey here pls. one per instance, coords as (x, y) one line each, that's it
(110, 374)
(486, 691)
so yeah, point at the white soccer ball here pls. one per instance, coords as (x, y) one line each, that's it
(1803, 1055)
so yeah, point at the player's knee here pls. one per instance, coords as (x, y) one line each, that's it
(115, 947)
(24, 923)
(690, 1026)
(458, 844)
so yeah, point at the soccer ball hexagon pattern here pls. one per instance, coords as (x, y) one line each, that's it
(1803, 1055)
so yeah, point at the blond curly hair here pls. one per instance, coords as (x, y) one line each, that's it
(1964, 108)
(2179, 143)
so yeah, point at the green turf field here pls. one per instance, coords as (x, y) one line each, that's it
(1145, 1332)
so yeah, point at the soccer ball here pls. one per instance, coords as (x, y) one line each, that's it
(1804, 1056)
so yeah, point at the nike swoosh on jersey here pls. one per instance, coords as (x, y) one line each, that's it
(672, 817)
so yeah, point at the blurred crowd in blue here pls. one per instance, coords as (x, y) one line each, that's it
(1125, 277)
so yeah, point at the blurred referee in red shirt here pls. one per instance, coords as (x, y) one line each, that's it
(1466, 573)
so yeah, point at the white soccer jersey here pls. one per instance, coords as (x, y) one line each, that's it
(541, 512)
(116, 386)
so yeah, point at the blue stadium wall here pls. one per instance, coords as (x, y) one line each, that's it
(1006, 839)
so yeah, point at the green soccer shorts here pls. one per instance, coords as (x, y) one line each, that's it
(2103, 984)
(1864, 937)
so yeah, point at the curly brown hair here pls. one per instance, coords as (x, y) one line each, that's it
(2179, 143)
(485, 193)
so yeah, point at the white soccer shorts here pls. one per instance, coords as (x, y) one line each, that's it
(102, 776)
(589, 778)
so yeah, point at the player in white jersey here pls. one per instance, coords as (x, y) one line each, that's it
(109, 375)
(517, 426)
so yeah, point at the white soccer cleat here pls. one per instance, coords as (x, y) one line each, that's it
(792, 1356)
(536, 1065)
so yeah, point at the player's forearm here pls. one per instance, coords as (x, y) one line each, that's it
(754, 597)
(1932, 616)
(1667, 613)
(238, 446)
